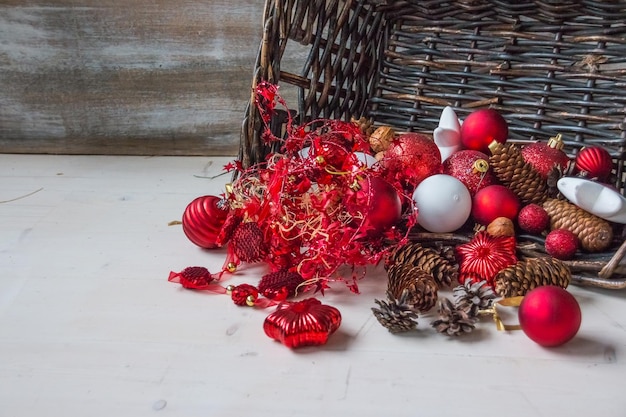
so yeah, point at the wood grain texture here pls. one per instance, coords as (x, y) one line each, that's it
(113, 77)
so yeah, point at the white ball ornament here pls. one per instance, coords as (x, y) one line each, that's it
(443, 203)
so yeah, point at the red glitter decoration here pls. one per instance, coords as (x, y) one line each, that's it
(484, 256)
(471, 168)
(594, 162)
(410, 159)
(241, 292)
(549, 315)
(544, 157)
(248, 242)
(303, 323)
(533, 218)
(192, 277)
(481, 128)
(280, 285)
(203, 220)
(561, 244)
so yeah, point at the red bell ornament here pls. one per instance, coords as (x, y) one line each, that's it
(595, 162)
(549, 315)
(203, 219)
(481, 128)
(494, 201)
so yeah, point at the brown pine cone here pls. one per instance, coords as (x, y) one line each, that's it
(421, 286)
(514, 172)
(531, 273)
(472, 297)
(595, 234)
(443, 271)
(453, 321)
(394, 314)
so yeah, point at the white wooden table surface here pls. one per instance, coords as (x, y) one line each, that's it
(90, 326)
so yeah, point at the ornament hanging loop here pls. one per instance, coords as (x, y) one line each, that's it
(493, 311)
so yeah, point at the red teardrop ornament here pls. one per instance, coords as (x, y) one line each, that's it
(595, 161)
(303, 323)
(203, 219)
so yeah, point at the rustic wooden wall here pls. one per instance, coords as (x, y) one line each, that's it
(125, 77)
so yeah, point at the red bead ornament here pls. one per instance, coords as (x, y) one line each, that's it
(481, 128)
(280, 285)
(303, 323)
(193, 277)
(484, 256)
(471, 168)
(410, 158)
(561, 244)
(243, 294)
(203, 219)
(545, 156)
(375, 205)
(549, 315)
(533, 218)
(594, 162)
(494, 201)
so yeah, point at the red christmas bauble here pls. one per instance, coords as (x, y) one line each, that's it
(545, 156)
(533, 218)
(410, 158)
(481, 128)
(549, 315)
(377, 202)
(471, 168)
(595, 162)
(561, 244)
(494, 201)
(203, 219)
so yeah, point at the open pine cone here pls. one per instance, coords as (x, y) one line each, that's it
(395, 314)
(453, 321)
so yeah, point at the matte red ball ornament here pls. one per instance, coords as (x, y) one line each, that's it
(546, 156)
(471, 168)
(481, 128)
(375, 203)
(303, 323)
(595, 162)
(549, 315)
(412, 157)
(494, 201)
(203, 219)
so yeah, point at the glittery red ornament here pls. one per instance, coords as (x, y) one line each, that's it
(303, 323)
(203, 219)
(192, 277)
(484, 256)
(533, 218)
(481, 128)
(561, 244)
(248, 242)
(545, 156)
(375, 204)
(549, 315)
(280, 285)
(412, 157)
(241, 292)
(494, 201)
(594, 162)
(471, 168)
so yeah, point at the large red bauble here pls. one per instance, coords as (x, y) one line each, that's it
(203, 219)
(412, 157)
(494, 201)
(379, 203)
(544, 158)
(471, 168)
(549, 315)
(595, 161)
(481, 128)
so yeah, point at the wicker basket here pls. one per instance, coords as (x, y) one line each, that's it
(548, 67)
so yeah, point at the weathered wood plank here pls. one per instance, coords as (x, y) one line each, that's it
(109, 76)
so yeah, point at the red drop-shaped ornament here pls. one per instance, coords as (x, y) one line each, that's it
(303, 323)
(494, 201)
(549, 315)
(481, 128)
(595, 162)
(203, 219)
(545, 156)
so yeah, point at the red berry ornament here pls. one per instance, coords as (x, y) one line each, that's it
(481, 128)
(595, 162)
(203, 219)
(545, 156)
(549, 315)
(561, 244)
(471, 168)
(533, 219)
(494, 201)
(410, 158)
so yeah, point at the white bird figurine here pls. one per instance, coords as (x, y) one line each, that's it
(594, 197)
(447, 135)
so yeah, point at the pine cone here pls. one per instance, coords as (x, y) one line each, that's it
(421, 286)
(473, 296)
(531, 273)
(248, 242)
(396, 315)
(595, 234)
(453, 321)
(513, 171)
(443, 271)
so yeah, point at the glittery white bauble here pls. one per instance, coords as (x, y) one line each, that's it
(443, 203)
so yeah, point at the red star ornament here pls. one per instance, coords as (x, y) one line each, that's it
(484, 256)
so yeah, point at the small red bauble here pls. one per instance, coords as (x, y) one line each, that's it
(411, 158)
(471, 168)
(481, 128)
(378, 202)
(494, 201)
(595, 162)
(203, 219)
(533, 219)
(303, 323)
(549, 315)
(545, 156)
(561, 244)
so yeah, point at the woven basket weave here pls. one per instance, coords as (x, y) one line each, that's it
(548, 67)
